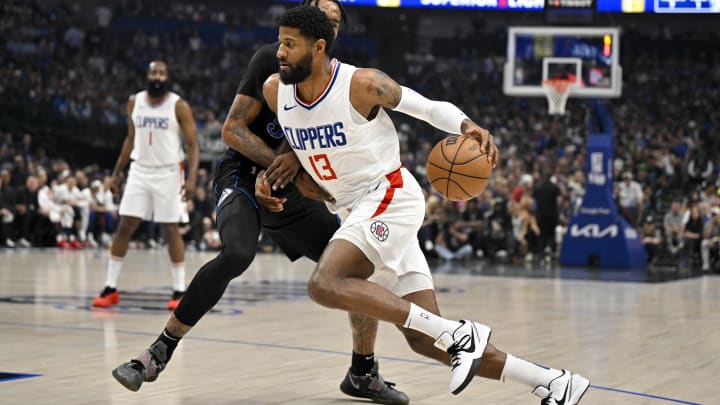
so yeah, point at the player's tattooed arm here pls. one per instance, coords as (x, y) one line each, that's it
(237, 135)
(286, 165)
(372, 88)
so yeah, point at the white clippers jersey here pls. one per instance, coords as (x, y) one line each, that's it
(342, 151)
(157, 132)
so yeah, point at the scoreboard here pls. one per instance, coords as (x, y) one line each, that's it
(561, 9)
(659, 6)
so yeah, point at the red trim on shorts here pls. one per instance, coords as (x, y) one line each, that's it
(396, 181)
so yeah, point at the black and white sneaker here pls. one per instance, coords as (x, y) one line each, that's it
(465, 346)
(145, 368)
(567, 389)
(372, 386)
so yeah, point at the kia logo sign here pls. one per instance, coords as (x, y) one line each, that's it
(593, 231)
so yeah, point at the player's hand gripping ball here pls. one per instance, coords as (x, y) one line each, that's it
(457, 169)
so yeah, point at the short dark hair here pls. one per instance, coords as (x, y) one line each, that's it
(311, 22)
(314, 3)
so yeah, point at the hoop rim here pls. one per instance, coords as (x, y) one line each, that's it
(561, 86)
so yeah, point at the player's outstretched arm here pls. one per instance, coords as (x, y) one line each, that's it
(371, 88)
(127, 147)
(189, 129)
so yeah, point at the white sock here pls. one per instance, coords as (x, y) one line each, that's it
(178, 274)
(113, 271)
(424, 321)
(527, 373)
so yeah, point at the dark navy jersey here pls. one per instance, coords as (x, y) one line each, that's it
(234, 166)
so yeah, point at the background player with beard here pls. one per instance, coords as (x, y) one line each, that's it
(373, 264)
(156, 117)
(254, 140)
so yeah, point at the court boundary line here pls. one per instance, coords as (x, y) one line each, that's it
(309, 349)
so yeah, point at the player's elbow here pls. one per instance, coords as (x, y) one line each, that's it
(229, 132)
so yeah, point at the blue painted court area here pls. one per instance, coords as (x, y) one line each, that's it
(304, 349)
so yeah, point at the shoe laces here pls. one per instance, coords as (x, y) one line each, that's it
(377, 383)
(454, 350)
(136, 365)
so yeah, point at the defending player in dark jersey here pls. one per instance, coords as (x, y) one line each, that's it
(254, 140)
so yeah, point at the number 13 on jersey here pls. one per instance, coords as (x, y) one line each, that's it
(321, 165)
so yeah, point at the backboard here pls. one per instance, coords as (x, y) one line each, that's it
(589, 57)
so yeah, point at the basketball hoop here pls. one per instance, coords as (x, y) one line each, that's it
(557, 92)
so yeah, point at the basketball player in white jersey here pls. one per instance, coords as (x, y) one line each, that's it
(158, 118)
(333, 116)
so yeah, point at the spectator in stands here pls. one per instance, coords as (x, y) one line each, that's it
(7, 215)
(525, 229)
(651, 239)
(48, 210)
(576, 188)
(525, 185)
(500, 225)
(101, 215)
(27, 218)
(692, 234)
(710, 245)
(699, 169)
(472, 223)
(71, 201)
(452, 242)
(19, 172)
(674, 222)
(546, 195)
(630, 199)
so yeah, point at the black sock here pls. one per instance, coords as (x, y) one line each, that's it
(362, 364)
(170, 341)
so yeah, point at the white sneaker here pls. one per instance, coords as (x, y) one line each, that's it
(24, 243)
(465, 346)
(566, 389)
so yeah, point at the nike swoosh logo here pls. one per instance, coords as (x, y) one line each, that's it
(286, 108)
(472, 339)
(353, 383)
(562, 400)
(567, 388)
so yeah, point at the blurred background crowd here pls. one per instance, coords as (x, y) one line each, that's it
(68, 69)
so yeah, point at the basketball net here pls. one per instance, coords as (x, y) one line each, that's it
(557, 92)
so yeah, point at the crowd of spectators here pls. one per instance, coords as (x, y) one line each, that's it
(666, 135)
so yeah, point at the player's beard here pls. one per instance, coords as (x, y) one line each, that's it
(157, 88)
(296, 74)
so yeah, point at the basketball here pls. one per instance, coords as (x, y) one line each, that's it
(457, 169)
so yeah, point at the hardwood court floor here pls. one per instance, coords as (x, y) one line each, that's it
(267, 343)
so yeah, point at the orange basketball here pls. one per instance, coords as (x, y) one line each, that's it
(457, 169)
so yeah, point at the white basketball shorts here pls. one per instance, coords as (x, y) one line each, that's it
(384, 226)
(154, 193)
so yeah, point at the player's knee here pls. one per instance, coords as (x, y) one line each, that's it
(238, 260)
(126, 227)
(322, 290)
